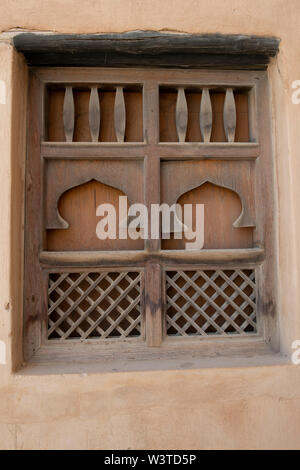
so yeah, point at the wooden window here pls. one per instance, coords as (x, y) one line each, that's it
(155, 136)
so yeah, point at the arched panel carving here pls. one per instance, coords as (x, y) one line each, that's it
(231, 175)
(221, 207)
(77, 207)
(65, 175)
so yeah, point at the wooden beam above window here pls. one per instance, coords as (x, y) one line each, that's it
(148, 49)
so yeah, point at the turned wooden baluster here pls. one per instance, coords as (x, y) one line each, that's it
(69, 114)
(229, 115)
(120, 114)
(205, 116)
(94, 114)
(181, 115)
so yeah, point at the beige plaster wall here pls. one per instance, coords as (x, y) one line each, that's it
(251, 407)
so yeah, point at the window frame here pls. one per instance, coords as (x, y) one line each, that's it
(155, 261)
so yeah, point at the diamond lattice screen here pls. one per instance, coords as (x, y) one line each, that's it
(211, 302)
(94, 305)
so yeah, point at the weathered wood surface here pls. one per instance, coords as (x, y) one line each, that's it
(99, 320)
(151, 172)
(94, 114)
(181, 115)
(205, 116)
(89, 259)
(229, 115)
(179, 177)
(63, 175)
(69, 114)
(148, 48)
(120, 115)
(153, 304)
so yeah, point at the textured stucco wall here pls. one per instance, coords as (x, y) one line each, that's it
(254, 407)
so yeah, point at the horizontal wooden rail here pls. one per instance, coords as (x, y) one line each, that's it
(167, 151)
(225, 257)
(215, 150)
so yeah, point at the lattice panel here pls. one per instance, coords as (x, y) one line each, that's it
(211, 302)
(94, 305)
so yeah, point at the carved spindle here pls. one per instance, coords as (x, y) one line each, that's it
(181, 115)
(229, 115)
(69, 114)
(205, 115)
(120, 114)
(94, 114)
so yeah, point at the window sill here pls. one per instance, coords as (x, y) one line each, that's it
(174, 354)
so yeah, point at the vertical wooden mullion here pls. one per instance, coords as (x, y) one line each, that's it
(44, 322)
(153, 304)
(252, 110)
(264, 234)
(45, 113)
(34, 307)
(42, 281)
(142, 304)
(153, 272)
(151, 112)
(164, 302)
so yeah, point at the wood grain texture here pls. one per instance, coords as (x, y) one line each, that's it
(148, 48)
(214, 79)
(120, 115)
(205, 115)
(35, 299)
(213, 151)
(221, 208)
(106, 317)
(193, 96)
(63, 175)
(199, 304)
(252, 115)
(179, 177)
(167, 151)
(229, 115)
(152, 160)
(94, 114)
(267, 217)
(224, 174)
(64, 357)
(204, 258)
(153, 305)
(181, 115)
(153, 272)
(82, 132)
(69, 114)
(78, 207)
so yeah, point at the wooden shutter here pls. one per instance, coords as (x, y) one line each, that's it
(156, 136)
